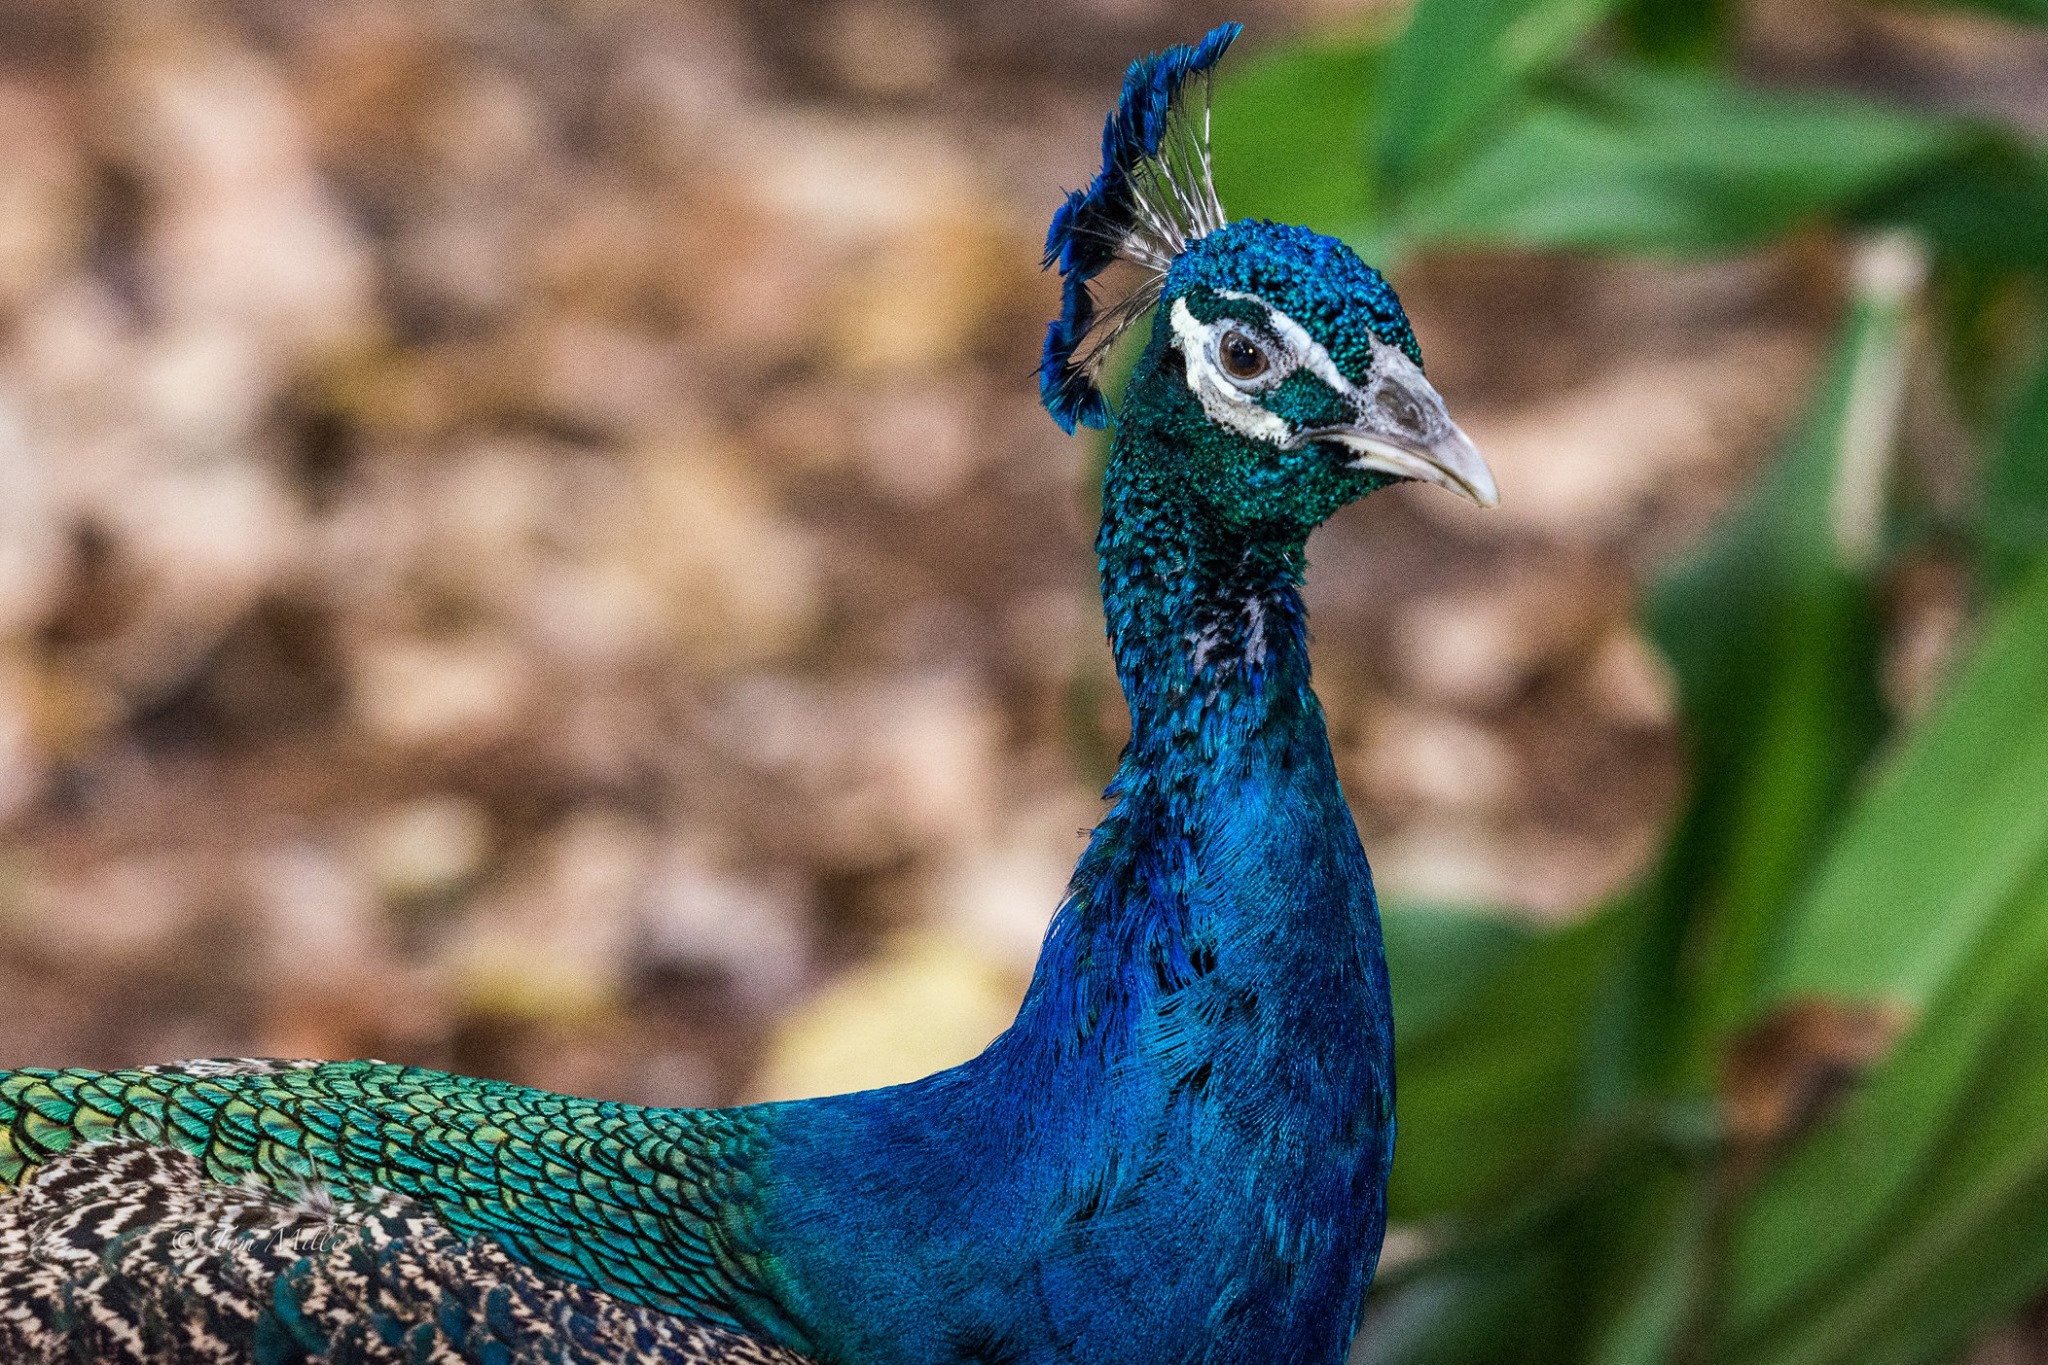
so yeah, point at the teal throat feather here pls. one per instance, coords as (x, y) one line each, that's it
(1178, 1152)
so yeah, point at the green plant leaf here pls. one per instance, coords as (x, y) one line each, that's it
(1661, 1286)
(1829, 1211)
(2013, 512)
(1457, 63)
(1291, 128)
(1514, 1302)
(1590, 1257)
(1772, 632)
(1490, 1095)
(1985, 202)
(1440, 958)
(1949, 828)
(1623, 158)
(1969, 1253)
(1676, 30)
(1936, 891)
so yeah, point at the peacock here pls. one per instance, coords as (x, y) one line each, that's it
(1178, 1152)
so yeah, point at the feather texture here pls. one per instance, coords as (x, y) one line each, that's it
(647, 1206)
(1153, 196)
(124, 1253)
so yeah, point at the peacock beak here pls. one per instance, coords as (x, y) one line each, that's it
(1400, 427)
(1447, 458)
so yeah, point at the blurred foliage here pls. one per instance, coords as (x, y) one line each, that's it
(1788, 1100)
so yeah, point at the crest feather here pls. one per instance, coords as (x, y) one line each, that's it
(1152, 197)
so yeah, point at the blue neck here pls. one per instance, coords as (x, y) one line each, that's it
(1178, 1152)
(1211, 649)
(1196, 611)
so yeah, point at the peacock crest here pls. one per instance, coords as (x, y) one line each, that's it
(1153, 196)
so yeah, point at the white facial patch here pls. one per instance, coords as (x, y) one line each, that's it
(1395, 423)
(1309, 353)
(1226, 403)
(1396, 407)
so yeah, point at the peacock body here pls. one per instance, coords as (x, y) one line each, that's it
(1177, 1153)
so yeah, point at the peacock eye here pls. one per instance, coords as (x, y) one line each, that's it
(1242, 357)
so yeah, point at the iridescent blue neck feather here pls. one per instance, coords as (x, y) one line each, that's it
(1178, 1151)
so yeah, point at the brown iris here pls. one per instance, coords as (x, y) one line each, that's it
(1242, 357)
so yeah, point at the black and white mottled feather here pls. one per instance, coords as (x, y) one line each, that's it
(124, 1253)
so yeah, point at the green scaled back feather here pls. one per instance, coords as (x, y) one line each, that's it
(650, 1205)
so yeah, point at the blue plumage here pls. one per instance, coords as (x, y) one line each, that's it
(1327, 289)
(1094, 226)
(1177, 1154)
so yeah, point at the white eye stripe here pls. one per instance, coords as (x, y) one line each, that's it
(1225, 401)
(1233, 403)
(1393, 375)
(1309, 354)
(1393, 425)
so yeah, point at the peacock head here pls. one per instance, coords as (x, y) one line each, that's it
(1282, 379)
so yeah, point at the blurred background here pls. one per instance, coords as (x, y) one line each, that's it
(528, 545)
